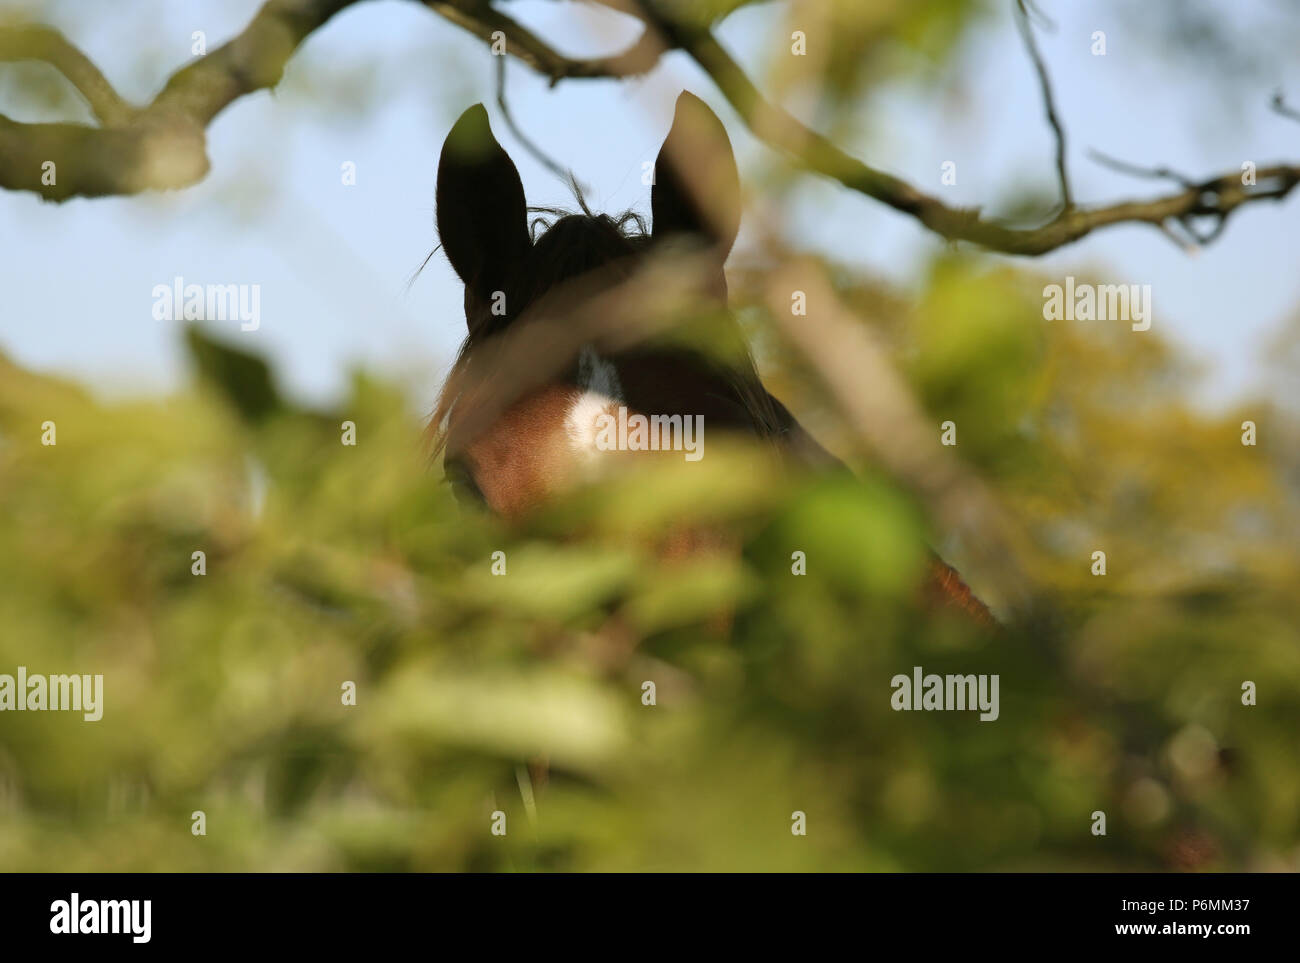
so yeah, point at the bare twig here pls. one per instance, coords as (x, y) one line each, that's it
(1181, 240)
(542, 157)
(1037, 16)
(1153, 172)
(1049, 103)
(1280, 106)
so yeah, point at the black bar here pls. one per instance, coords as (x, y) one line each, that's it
(521, 914)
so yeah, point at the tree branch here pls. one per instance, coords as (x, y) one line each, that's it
(1206, 190)
(483, 20)
(162, 145)
(48, 45)
(1214, 196)
(254, 60)
(100, 161)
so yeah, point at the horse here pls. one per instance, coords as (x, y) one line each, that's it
(540, 437)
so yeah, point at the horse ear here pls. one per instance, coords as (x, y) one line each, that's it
(697, 187)
(482, 215)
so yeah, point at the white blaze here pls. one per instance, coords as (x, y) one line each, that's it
(601, 394)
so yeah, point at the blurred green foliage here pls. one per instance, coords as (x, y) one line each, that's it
(328, 563)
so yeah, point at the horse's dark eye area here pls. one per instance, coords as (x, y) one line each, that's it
(463, 487)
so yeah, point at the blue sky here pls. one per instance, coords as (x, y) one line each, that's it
(334, 262)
